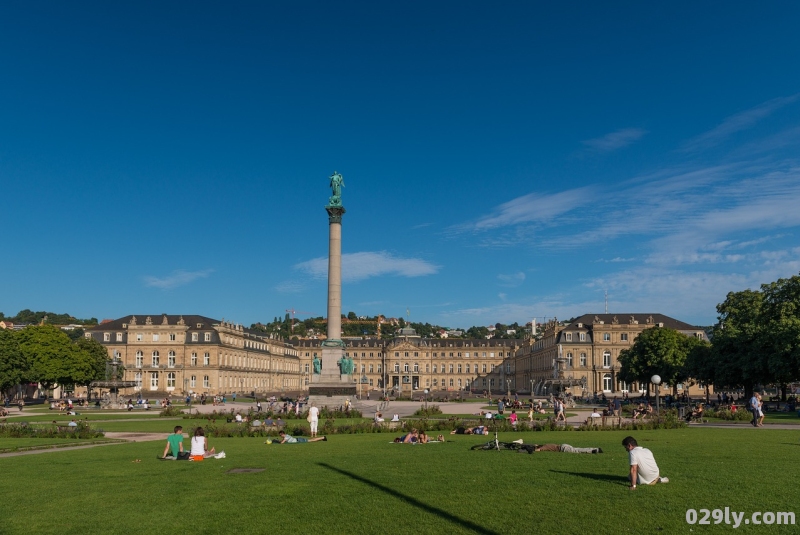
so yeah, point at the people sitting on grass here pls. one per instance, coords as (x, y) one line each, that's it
(644, 470)
(289, 439)
(174, 445)
(423, 438)
(200, 449)
(379, 418)
(478, 430)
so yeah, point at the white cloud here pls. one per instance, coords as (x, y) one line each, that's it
(289, 287)
(737, 122)
(177, 278)
(513, 279)
(615, 140)
(534, 208)
(360, 266)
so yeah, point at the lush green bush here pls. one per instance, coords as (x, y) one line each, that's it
(727, 414)
(431, 410)
(171, 410)
(24, 430)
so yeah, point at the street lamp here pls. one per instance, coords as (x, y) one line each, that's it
(508, 383)
(531, 388)
(656, 380)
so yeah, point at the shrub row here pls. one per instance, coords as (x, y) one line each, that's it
(24, 430)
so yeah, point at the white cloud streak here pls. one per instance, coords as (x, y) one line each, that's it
(177, 278)
(615, 140)
(364, 265)
(737, 122)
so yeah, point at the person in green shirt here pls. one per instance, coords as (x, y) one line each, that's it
(174, 443)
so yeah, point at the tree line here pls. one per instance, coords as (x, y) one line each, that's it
(47, 355)
(755, 342)
(30, 317)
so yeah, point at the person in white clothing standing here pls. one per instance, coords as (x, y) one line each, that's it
(644, 470)
(313, 419)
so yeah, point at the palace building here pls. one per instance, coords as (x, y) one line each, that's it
(178, 355)
(589, 348)
(408, 363)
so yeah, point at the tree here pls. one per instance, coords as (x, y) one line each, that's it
(75, 334)
(92, 360)
(781, 325)
(657, 351)
(737, 349)
(46, 350)
(12, 361)
(352, 316)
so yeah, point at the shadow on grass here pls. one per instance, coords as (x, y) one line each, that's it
(620, 480)
(413, 501)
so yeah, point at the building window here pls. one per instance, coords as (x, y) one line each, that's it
(434, 368)
(194, 337)
(171, 337)
(508, 368)
(623, 337)
(119, 337)
(193, 381)
(207, 337)
(459, 383)
(371, 368)
(569, 360)
(435, 382)
(194, 359)
(491, 381)
(153, 380)
(416, 367)
(106, 337)
(171, 359)
(155, 338)
(484, 368)
(206, 383)
(607, 382)
(492, 368)
(139, 337)
(466, 355)
(568, 337)
(379, 368)
(583, 359)
(483, 354)
(583, 337)
(139, 359)
(451, 370)
(206, 359)
(459, 368)
(155, 359)
(606, 359)
(451, 382)
(171, 380)
(476, 368)
(137, 378)
(306, 368)
(405, 366)
(397, 367)
(606, 337)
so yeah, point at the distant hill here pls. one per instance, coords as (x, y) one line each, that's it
(30, 317)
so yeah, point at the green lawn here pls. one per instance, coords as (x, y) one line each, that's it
(364, 484)
(13, 444)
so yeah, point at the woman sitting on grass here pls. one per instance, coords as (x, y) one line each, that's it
(199, 449)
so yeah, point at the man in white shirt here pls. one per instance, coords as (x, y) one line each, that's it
(644, 470)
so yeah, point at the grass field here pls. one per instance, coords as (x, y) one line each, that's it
(365, 484)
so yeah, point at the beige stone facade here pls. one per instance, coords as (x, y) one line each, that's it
(591, 345)
(179, 355)
(410, 365)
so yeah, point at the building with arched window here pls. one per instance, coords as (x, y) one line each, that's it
(178, 355)
(590, 347)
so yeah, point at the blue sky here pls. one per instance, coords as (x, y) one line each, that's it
(500, 162)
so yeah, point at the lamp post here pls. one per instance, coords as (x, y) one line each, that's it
(508, 384)
(656, 380)
(384, 375)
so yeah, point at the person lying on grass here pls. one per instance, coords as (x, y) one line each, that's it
(174, 443)
(289, 439)
(478, 430)
(408, 438)
(563, 448)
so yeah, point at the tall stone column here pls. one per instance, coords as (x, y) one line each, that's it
(335, 214)
(330, 385)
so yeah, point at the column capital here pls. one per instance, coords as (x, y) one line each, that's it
(335, 213)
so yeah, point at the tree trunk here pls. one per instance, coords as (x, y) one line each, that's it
(784, 387)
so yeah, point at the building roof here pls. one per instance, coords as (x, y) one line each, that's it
(588, 320)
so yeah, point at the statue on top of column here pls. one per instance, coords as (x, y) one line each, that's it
(337, 183)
